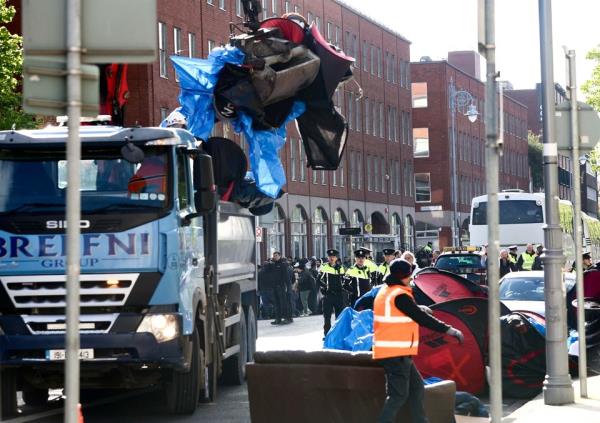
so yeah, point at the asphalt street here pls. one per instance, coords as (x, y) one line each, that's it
(232, 401)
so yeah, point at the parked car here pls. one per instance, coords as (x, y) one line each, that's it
(465, 261)
(525, 290)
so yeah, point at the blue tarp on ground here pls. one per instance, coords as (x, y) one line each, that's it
(352, 331)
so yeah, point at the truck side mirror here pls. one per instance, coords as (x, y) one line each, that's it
(205, 190)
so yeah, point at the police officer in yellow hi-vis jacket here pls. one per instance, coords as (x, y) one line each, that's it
(330, 283)
(396, 339)
(358, 279)
(389, 254)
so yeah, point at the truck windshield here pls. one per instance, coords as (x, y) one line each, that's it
(36, 181)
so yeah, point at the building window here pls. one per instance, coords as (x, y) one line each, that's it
(319, 234)
(298, 232)
(365, 56)
(302, 161)
(288, 7)
(339, 241)
(367, 116)
(297, 9)
(222, 4)
(164, 112)
(350, 110)
(239, 11)
(353, 170)
(315, 176)
(360, 170)
(192, 44)
(276, 233)
(384, 175)
(422, 188)
(419, 95)
(162, 49)
(211, 2)
(342, 175)
(318, 22)
(393, 70)
(379, 64)
(375, 122)
(369, 175)
(275, 7)
(211, 45)
(381, 121)
(293, 153)
(329, 31)
(265, 9)
(323, 178)
(358, 115)
(355, 50)
(337, 36)
(373, 60)
(421, 142)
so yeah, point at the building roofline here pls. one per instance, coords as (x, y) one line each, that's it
(441, 62)
(363, 15)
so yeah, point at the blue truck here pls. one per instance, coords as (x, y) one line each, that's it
(168, 272)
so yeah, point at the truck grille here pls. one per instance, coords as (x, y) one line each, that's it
(42, 300)
(49, 291)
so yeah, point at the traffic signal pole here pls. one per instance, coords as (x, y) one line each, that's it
(73, 210)
(558, 389)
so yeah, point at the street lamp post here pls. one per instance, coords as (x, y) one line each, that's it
(459, 100)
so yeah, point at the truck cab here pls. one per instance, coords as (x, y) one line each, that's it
(168, 273)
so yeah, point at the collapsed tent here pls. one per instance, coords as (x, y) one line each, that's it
(278, 71)
(433, 285)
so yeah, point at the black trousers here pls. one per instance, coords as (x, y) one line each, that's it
(282, 302)
(331, 302)
(403, 383)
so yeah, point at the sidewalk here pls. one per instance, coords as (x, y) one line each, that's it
(585, 410)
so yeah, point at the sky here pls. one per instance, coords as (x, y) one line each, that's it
(435, 27)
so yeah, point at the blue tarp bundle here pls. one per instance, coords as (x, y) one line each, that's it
(352, 331)
(197, 80)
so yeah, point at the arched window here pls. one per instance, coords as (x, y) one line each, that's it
(339, 241)
(298, 232)
(319, 234)
(277, 231)
(396, 229)
(409, 233)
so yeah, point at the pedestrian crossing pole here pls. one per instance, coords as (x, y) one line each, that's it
(558, 389)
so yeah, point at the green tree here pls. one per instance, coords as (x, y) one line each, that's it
(11, 67)
(591, 88)
(535, 159)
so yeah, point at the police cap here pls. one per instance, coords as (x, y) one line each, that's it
(586, 256)
(513, 247)
(389, 251)
(399, 269)
(333, 252)
(360, 253)
(366, 250)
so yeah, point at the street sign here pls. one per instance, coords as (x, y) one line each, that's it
(589, 126)
(349, 231)
(45, 87)
(112, 31)
(259, 234)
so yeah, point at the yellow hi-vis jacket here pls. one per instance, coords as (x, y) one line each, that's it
(528, 260)
(395, 334)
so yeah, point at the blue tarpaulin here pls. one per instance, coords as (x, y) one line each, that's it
(352, 331)
(197, 80)
(264, 149)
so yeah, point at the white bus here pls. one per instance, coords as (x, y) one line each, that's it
(522, 219)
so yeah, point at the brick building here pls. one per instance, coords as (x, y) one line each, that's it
(432, 85)
(374, 184)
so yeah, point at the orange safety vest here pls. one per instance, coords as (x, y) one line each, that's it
(395, 334)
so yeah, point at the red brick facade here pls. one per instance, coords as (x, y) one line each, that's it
(435, 213)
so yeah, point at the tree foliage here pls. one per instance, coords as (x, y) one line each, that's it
(591, 87)
(535, 159)
(11, 67)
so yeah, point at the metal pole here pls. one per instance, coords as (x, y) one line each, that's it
(493, 265)
(452, 96)
(73, 209)
(558, 388)
(578, 228)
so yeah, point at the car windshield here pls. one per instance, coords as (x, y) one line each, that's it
(36, 181)
(522, 289)
(459, 263)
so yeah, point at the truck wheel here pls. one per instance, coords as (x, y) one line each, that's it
(35, 397)
(183, 391)
(8, 392)
(252, 333)
(234, 368)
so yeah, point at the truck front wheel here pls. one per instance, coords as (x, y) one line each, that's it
(234, 368)
(183, 390)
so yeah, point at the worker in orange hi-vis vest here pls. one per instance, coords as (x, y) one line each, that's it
(396, 339)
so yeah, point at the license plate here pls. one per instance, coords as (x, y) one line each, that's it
(56, 355)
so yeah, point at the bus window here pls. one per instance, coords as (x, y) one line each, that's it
(512, 212)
